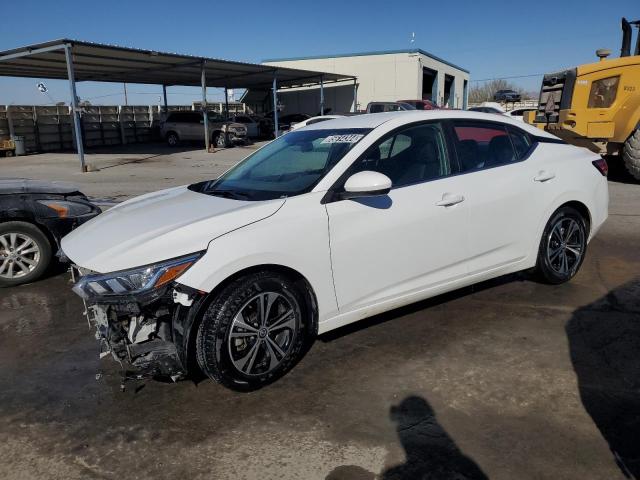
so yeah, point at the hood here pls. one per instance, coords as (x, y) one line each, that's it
(159, 226)
(25, 185)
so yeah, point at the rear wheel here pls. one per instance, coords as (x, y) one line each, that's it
(25, 253)
(631, 154)
(563, 246)
(253, 332)
(172, 139)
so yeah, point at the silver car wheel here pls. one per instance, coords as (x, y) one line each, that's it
(19, 255)
(565, 246)
(262, 333)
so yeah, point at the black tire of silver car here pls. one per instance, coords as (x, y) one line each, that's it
(25, 253)
(631, 154)
(172, 139)
(221, 140)
(253, 332)
(563, 246)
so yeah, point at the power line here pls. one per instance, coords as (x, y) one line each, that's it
(508, 78)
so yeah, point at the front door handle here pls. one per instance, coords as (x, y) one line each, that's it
(449, 199)
(544, 176)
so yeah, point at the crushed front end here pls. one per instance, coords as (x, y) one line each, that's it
(140, 316)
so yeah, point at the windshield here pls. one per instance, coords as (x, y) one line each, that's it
(290, 165)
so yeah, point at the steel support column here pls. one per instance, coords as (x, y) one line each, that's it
(275, 107)
(203, 80)
(226, 103)
(355, 95)
(164, 96)
(74, 106)
(321, 95)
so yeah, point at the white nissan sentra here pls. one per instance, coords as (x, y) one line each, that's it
(325, 226)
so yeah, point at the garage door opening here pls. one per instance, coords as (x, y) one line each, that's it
(448, 90)
(429, 84)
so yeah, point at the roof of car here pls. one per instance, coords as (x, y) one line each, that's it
(373, 120)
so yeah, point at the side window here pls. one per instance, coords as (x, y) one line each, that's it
(413, 155)
(482, 145)
(521, 142)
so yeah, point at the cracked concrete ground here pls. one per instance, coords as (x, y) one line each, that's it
(509, 379)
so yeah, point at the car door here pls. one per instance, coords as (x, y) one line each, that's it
(193, 126)
(408, 241)
(497, 179)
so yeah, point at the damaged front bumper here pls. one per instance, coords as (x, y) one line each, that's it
(147, 333)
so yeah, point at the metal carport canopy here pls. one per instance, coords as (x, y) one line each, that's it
(86, 61)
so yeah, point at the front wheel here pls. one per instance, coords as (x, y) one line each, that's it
(631, 154)
(221, 140)
(253, 332)
(25, 253)
(563, 246)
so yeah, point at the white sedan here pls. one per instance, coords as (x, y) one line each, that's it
(325, 226)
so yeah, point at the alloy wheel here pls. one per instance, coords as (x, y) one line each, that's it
(565, 246)
(262, 333)
(19, 255)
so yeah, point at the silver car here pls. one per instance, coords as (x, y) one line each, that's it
(189, 125)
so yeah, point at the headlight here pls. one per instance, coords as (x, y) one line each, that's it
(134, 281)
(603, 92)
(64, 209)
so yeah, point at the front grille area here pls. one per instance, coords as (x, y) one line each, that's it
(557, 88)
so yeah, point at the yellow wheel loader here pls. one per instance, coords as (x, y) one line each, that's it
(597, 105)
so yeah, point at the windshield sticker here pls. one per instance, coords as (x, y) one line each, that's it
(349, 138)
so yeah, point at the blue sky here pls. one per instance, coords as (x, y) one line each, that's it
(490, 38)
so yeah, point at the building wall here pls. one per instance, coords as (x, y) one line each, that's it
(381, 77)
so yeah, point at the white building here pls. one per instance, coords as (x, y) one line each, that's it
(381, 76)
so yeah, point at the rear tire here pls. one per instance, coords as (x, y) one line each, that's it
(172, 139)
(631, 154)
(562, 247)
(239, 346)
(25, 253)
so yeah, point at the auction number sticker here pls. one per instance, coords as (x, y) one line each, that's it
(349, 138)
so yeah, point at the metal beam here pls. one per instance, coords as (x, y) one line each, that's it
(203, 81)
(275, 107)
(321, 95)
(74, 106)
(35, 51)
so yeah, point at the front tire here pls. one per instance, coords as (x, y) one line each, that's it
(221, 140)
(253, 332)
(631, 154)
(563, 246)
(25, 253)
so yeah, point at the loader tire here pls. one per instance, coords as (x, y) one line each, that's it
(631, 154)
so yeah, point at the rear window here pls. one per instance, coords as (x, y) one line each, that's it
(481, 145)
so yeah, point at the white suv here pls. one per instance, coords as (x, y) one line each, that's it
(189, 126)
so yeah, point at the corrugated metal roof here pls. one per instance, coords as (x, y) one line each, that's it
(365, 54)
(112, 63)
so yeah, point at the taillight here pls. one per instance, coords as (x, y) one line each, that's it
(601, 165)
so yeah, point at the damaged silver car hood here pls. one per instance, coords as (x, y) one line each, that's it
(159, 226)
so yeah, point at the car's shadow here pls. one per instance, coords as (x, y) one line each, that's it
(604, 341)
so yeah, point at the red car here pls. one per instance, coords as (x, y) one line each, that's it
(421, 104)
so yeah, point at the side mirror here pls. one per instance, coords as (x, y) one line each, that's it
(366, 184)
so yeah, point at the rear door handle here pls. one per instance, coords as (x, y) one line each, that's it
(544, 176)
(449, 200)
